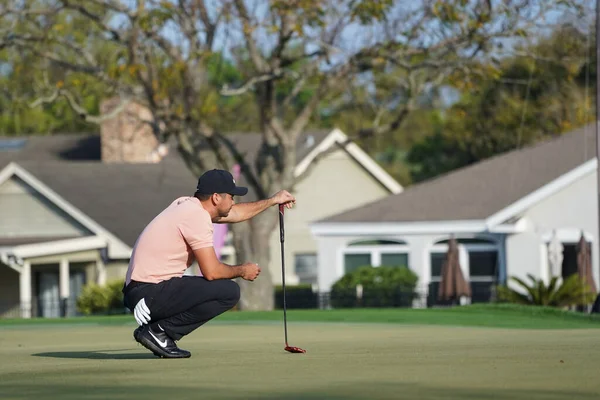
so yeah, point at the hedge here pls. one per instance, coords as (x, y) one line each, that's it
(382, 287)
(297, 296)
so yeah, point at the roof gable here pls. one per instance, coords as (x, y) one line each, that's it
(117, 200)
(117, 249)
(481, 190)
(28, 216)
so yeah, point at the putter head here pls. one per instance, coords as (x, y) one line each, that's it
(293, 349)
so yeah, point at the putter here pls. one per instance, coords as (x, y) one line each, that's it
(289, 348)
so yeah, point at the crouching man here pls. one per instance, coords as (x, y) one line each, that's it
(168, 305)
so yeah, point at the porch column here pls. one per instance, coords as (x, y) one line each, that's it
(419, 260)
(25, 290)
(502, 270)
(64, 286)
(100, 272)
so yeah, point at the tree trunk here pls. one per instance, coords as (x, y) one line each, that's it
(251, 242)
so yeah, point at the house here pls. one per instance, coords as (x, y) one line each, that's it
(72, 206)
(504, 211)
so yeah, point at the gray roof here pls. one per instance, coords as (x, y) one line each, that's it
(121, 197)
(482, 189)
(73, 147)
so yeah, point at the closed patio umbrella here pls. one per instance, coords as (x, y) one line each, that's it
(453, 284)
(555, 257)
(584, 264)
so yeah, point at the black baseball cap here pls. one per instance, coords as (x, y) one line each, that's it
(219, 181)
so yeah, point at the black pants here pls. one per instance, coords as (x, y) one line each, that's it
(181, 305)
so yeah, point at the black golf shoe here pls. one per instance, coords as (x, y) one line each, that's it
(136, 333)
(159, 343)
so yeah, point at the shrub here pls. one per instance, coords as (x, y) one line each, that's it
(93, 299)
(96, 299)
(115, 296)
(382, 287)
(571, 292)
(297, 296)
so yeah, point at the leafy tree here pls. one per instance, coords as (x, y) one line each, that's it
(293, 56)
(521, 101)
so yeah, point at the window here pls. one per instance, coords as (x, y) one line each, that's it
(376, 242)
(483, 271)
(394, 259)
(354, 261)
(305, 266)
(483, 263)
(477, 256)
(437, 262)
(569, 263)
(375, 253)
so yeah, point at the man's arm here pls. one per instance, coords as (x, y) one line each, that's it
(244, 211)
(213, 269)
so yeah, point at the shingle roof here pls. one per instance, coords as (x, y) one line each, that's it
(482, 189)
(74, 147)
(121, 197)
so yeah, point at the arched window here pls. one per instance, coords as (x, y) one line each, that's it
(469, 241)
(375, 252)
(377, 242)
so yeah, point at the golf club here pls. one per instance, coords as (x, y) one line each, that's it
(291, 349)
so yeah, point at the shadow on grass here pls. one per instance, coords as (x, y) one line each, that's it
(336, 392)
(98, 355)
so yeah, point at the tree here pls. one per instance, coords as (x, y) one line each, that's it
(293, 55)
(518, 101)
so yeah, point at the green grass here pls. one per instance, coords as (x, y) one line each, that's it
(484, 315)
(246, 360)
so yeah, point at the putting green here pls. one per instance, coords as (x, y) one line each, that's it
(238, 360)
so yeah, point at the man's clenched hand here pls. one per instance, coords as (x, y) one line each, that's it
(251, 271)
(284, 197)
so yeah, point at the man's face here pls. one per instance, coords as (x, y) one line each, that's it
(225, 203)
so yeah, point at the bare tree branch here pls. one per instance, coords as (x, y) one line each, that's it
(80, 110)
(259, 62)
(95, 18)
(250, 84)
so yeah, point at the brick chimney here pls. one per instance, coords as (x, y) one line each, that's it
(125, 138)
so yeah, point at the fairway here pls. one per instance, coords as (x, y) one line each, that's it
(241, 360)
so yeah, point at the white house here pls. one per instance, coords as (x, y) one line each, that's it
(504, 211)
(72, 207)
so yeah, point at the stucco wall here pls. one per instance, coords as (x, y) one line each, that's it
(25, 212)
(568, 211)
(116, 270)
(331, 259)
(337, 183)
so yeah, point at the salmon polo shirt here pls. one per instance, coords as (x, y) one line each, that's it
(165, 248)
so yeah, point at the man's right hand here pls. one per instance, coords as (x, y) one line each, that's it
(250, 271)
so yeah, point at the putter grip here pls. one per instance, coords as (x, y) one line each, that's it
(281, 235)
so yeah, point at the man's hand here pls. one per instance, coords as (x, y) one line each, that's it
(141, 312)
(250, 271)
(284, 197)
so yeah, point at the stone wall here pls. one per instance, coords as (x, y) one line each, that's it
(126, 138)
